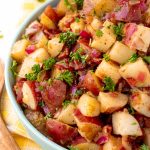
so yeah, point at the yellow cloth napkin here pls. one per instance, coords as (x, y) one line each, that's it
(9, 115)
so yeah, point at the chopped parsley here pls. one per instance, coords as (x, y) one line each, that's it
(72, 148)
(77, 56)
(79, 3)
(24, 36)
(118, 30)
(77, 19)
(109, 84)
(134, 123)
(49, 63)
(69, 38)
(133, 58)
(33, 75)
(48, 115)
(99, 33)
(41, 88)
(66, 103)
(66, 76)
(69, 6)
(13, 68)
(144, 147)
(131, 110)
(78, 93)
(41, 104)
(106, 57)
(147, 59)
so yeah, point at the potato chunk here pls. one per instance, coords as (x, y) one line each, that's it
(18, 50)
(112, 101)
(54, 46)
(26, 67)
(89, 106)
(120, 53)
(125, 124)
(39, 55)
(140, 101)
(140, 39)
(108, 69)
(47, 22)
(104, 42)
(136, 74)
(147, 136)
(77, 27)
(66, 115)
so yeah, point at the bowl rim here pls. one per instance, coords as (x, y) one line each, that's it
(10, 92)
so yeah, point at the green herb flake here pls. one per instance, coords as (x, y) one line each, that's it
(133, 58)
(41, 88)
(109, 84)
(49, 63)
(24, 36)
(72, 148)
(118, 30)
(66, 76)
(78, 93)
(41, 104)
(79, 3)
(99, 33)
(77, 19)
(144, 147)
(118, 8)
(106, 57)
(48, 115)
(134, 123)
(69, 6)
(13, 68)
(66, 103)
(131, 110)
(69, 38)
(147, 59)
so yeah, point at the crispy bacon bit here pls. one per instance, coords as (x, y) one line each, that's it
(131, 81)
(141, 76)
(30, 49)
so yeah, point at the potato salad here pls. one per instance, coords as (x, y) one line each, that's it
(82, 73)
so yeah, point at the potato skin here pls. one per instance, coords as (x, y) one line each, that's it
(125, 124)
(89, 106)
(140, 101)
(112, 101)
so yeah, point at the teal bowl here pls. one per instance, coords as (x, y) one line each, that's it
(39, 138)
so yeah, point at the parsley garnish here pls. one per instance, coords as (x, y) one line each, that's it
(41, 88)
(13, 67)
(106, 57)
(48, 115)
(147, 59)
(79, 3)
(134, 123)
(24, 36)
(78, 93)
(41, 104)
(77, 19)
(133, 58)
(99, 33)
(66, 103)
(33, 75)
(109, 84)
(49, 63)
(118, 30)
(131, 110)
(144, 147)
(69, 6)
(66, 76)
(68, 37)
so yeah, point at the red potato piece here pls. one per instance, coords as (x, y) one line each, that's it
(54, 94)
(29, 95)
(88, 127)
(92, 83)
(50, 12)
(60, 132)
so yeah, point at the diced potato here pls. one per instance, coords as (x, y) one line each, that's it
(26, 67)
(125, 124)
(88, 127)
(66, 115)
(109, 26)
(113, 143)
(96, 23)
(39, 55)
(18, 50)
(140, 101)
(102, 6)
(87, 146)
(108, 69)
(112, 101)
(77, 27)
(147, 136)
(29, 97)
(55, 72)
(47, 22)
(89, 106)
(54, 46)
(104, 42)
(140, 39)
(120, 53)
(136, 74)
(62, 7)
